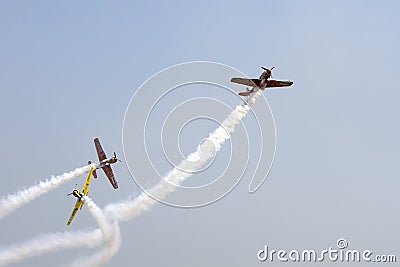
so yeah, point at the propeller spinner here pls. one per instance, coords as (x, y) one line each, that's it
(269, 71)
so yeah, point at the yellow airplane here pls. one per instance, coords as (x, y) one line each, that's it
(79, 195)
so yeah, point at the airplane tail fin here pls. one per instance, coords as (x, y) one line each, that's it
(94, 171)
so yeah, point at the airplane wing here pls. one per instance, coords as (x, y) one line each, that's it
(78, 205)
(100, 152)
(275, 83)
(110, 175)
(86, 185)
(248, 82)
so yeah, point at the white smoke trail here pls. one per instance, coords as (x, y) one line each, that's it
(12, 202)
(100, 217)
(111, 248)
(48, 243)
(111, 236)
(128, 209)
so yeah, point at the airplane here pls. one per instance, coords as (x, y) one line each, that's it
(79, 195)
(105, 163)
(260, 83)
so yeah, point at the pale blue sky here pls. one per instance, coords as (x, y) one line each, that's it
(67, 73)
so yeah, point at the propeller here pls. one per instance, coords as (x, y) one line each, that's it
(72, 191)
(270, 70)
(115, 156)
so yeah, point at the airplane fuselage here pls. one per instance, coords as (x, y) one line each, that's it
(264, 79)
(263, 84)
(106, 162)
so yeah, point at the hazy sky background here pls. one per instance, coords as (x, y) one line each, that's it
(67, 73)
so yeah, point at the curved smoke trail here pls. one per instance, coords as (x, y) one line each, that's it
(100, 217)
(111, 236)
(111, 247)
(21, 197)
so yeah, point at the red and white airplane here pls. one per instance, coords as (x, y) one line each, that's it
(105, 163)
(260, 83)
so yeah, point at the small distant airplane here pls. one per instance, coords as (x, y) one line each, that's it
(79, 195)
(105, 163)
(261, 83)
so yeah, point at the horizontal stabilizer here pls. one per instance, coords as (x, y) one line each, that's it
(244, 93)
(247, 93)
